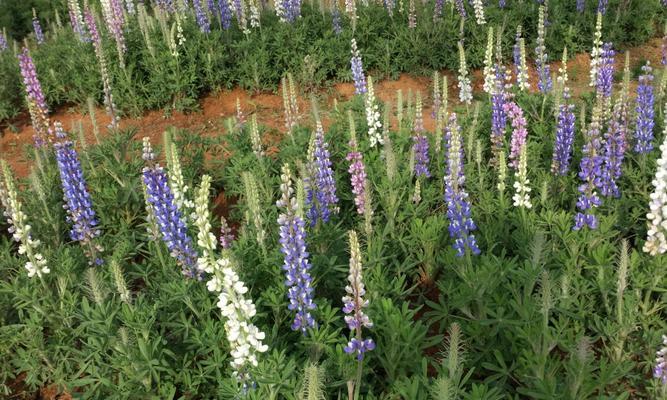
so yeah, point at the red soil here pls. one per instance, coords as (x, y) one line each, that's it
(268, 106)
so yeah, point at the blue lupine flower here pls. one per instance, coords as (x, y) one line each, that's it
(564, 138)
(581, 6)
(336, 22)
(589, 173)
(225, 14)
(644, 109)
(614, 152)
(3, 42)
(39, 34)
(501, 3)
(605, 75)
(168, 217)
(78, 203)
(602, 6)
(357, 70)
(437, 9)
(460, 7)
(296, 265)
(321, 199)
(498, 116)
(202, 18)
(420, 148)
(458, 208)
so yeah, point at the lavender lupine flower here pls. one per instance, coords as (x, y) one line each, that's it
(225, 14)
(226, 235)
(202, 17)
(296, 264)
(78, 203)
(644, 109)
(614, 152)
(581, 5)
(564, 137)
(458, 208)
(357, 70)
(337, 28)
(212, 7)
(460, 7)
(129, 6)
(420, 148)
(437, 9)
(660, 370)
(357, 171)
(602, 6)
(541, 58)
(605, 74)
(169, 219)
(498, 116)
(106, 80)
(501, 3)
(354, 304)
(114, 18)
(76, 20)
(165, 5)
(321, 197)
(3, 42)
(519, 132)
(589, 173)
(39, 34)
(35, 97)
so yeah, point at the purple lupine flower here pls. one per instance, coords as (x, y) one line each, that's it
(296, 265)
(212, 7)
(357, 70)
(238, 9)
(114, 19)
(437, 9)
(660, 370)
(614, 152)
(225, 14)
(420, 148)
(336, 22)
(292, 10)
(581, 6)
(166, 5)
(3, 42)
(226, 235)
(354, 304)
(519, 131)
(460, 7)
(498, 116)
(39, 34)
(602, 6)
(357, 172)
(461, 224)
(501, 3)
(605, 75)
(663, 48)
(36, 102)
(644, 109)
(564, 137)
(78, 203)
(167, 215)
(321, 197)
(590, 172)
(202, 17)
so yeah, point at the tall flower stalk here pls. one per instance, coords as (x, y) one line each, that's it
(595, 51)
(519, 131)
(541, 58)
(521, 196)
(357, 69)
(372, 115)
(296, 264)
(321, 199)
(520, 66)
(356, 169)
(19, 226)
(420, 146)
(498, 115)
(465, 88)
(656, 241)
(589, 173)
(35, 97)
(78, 203)
(37, 27)
(565, 127)
(644, 109)
(461, 224)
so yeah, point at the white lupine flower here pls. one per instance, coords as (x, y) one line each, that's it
(656, 241)
(245, 339)
(596, 51)
(522, 190)
(522, 73)
(465, 89)
(489, 73)
(479, 11)
(176, 181)
(373, 116)
(19, 227)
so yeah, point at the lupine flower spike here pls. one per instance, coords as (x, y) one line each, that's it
(489, 70)
(357, 70)
(644, 109)
(660, 370)
(522, 190)
(18, 224)
(35, 98)
(296, 264)
(39, 34)
(176, 181)
(589, 173)
(519, 131)
(3, 42)
(498, 116)
(461, 224)
(562, 153)
(354, 304)
(373, 116)
(226, 235)
(465, 88)
(595, 51)
(168, 216)
(357, 169)
(420, 144)
(520, 66)
(321, 197)
(478, 6)
(78, 203)
(541, 58)
(656, 241)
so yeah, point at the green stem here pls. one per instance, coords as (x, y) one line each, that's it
(357, 384)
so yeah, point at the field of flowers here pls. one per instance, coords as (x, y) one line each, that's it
(514, 251)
